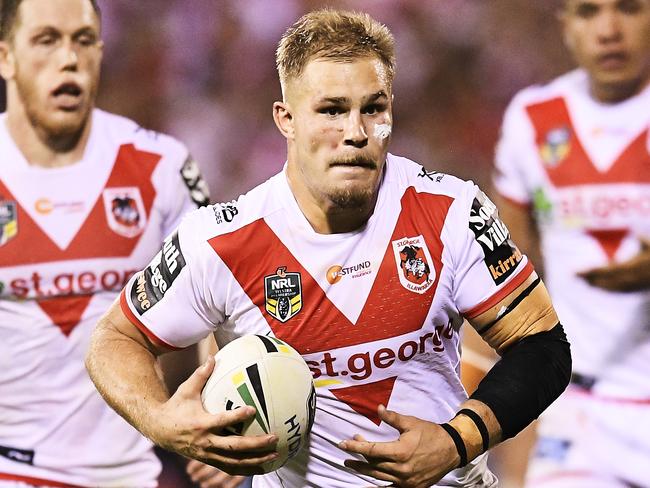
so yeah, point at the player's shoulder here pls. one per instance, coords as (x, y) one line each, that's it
(123, 131)
(221, 218)
(560, 87)
(406, 173)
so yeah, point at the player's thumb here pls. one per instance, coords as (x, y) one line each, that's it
(400, 422)
(195, 383)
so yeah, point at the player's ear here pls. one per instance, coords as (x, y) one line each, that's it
(283, 119)
(562, 16)
(7, 61)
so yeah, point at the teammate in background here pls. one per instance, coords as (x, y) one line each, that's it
(378, 261)
(574, 165)
(86, 198)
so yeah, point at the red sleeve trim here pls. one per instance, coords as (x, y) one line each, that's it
(30, 480)
(135, 321)
(512, 201)
(502, 293)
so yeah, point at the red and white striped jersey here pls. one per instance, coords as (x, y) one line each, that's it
(70, 238)
(375, 313)
(584, 167)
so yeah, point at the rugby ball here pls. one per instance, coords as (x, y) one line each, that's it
(271, 376)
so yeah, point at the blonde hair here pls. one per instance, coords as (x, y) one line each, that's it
(336, 35)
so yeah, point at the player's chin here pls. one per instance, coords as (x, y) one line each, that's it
(352, 195)
(66, 123)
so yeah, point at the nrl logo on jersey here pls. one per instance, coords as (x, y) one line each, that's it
(556, 146)
(125, 211)
(414, 264)
(8, 221)
(283, 294)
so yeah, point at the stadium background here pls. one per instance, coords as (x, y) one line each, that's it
(204, 71)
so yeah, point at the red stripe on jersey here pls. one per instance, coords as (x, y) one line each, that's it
(509, 287)
(65, 312)
(390, 310)
(40, 482)
(573, 166)
(365, 399)
(143, 328)
(95, 239)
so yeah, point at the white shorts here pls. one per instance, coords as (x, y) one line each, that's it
(590, 442)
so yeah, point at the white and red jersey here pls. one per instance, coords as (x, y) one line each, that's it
(375, 313)
(70, 238)
(584, 167)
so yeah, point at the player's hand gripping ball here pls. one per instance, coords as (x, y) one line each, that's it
(268, 374)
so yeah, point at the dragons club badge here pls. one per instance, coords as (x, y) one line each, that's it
(283, 294)
(125, 212)
(414, 264)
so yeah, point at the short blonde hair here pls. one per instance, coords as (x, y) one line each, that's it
(336, 35)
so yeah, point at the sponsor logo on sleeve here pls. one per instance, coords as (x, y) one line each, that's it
(151, 284)
(199, 192)
(225, 212)
(283, 294)
(8, 221)
(125, 212)
(414, 264)
(501, 254)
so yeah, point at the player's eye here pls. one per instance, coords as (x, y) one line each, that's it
(586, 10)
(87, 39)
(331, 111)
(373, 109)
(45, 40)
(629, 6)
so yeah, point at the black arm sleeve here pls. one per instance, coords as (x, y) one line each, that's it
(527, 379)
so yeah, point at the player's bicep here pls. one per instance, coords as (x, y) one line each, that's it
(525, 311)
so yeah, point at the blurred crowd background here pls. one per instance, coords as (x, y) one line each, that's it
(204, 71)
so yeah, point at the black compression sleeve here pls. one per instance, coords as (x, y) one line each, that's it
(527, 379)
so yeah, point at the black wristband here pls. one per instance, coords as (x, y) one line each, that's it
(458, 441)
(480, 425)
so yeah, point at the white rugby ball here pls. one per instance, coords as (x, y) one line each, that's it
(271, 376)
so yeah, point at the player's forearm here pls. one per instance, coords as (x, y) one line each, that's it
(127, 375)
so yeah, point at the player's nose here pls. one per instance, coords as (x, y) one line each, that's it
(355, 131)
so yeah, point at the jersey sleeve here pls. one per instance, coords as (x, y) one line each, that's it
(172, 300)
(513, 151)
(187, 191)
(488, 265)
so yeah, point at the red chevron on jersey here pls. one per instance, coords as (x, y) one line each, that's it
(566, 161)
(609, 239)
(65, 312)
(132, 168)
(365, 399)
(390, 310)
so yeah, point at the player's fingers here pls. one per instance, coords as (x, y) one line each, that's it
(242, 446)
(193, 385)
(226, 419)
(203, 472)
(374, 450)
(371, 470)
(394, 419)
(214, 479)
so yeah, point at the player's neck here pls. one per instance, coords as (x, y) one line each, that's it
(38, 147)
(611, 94)
(327, 218)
